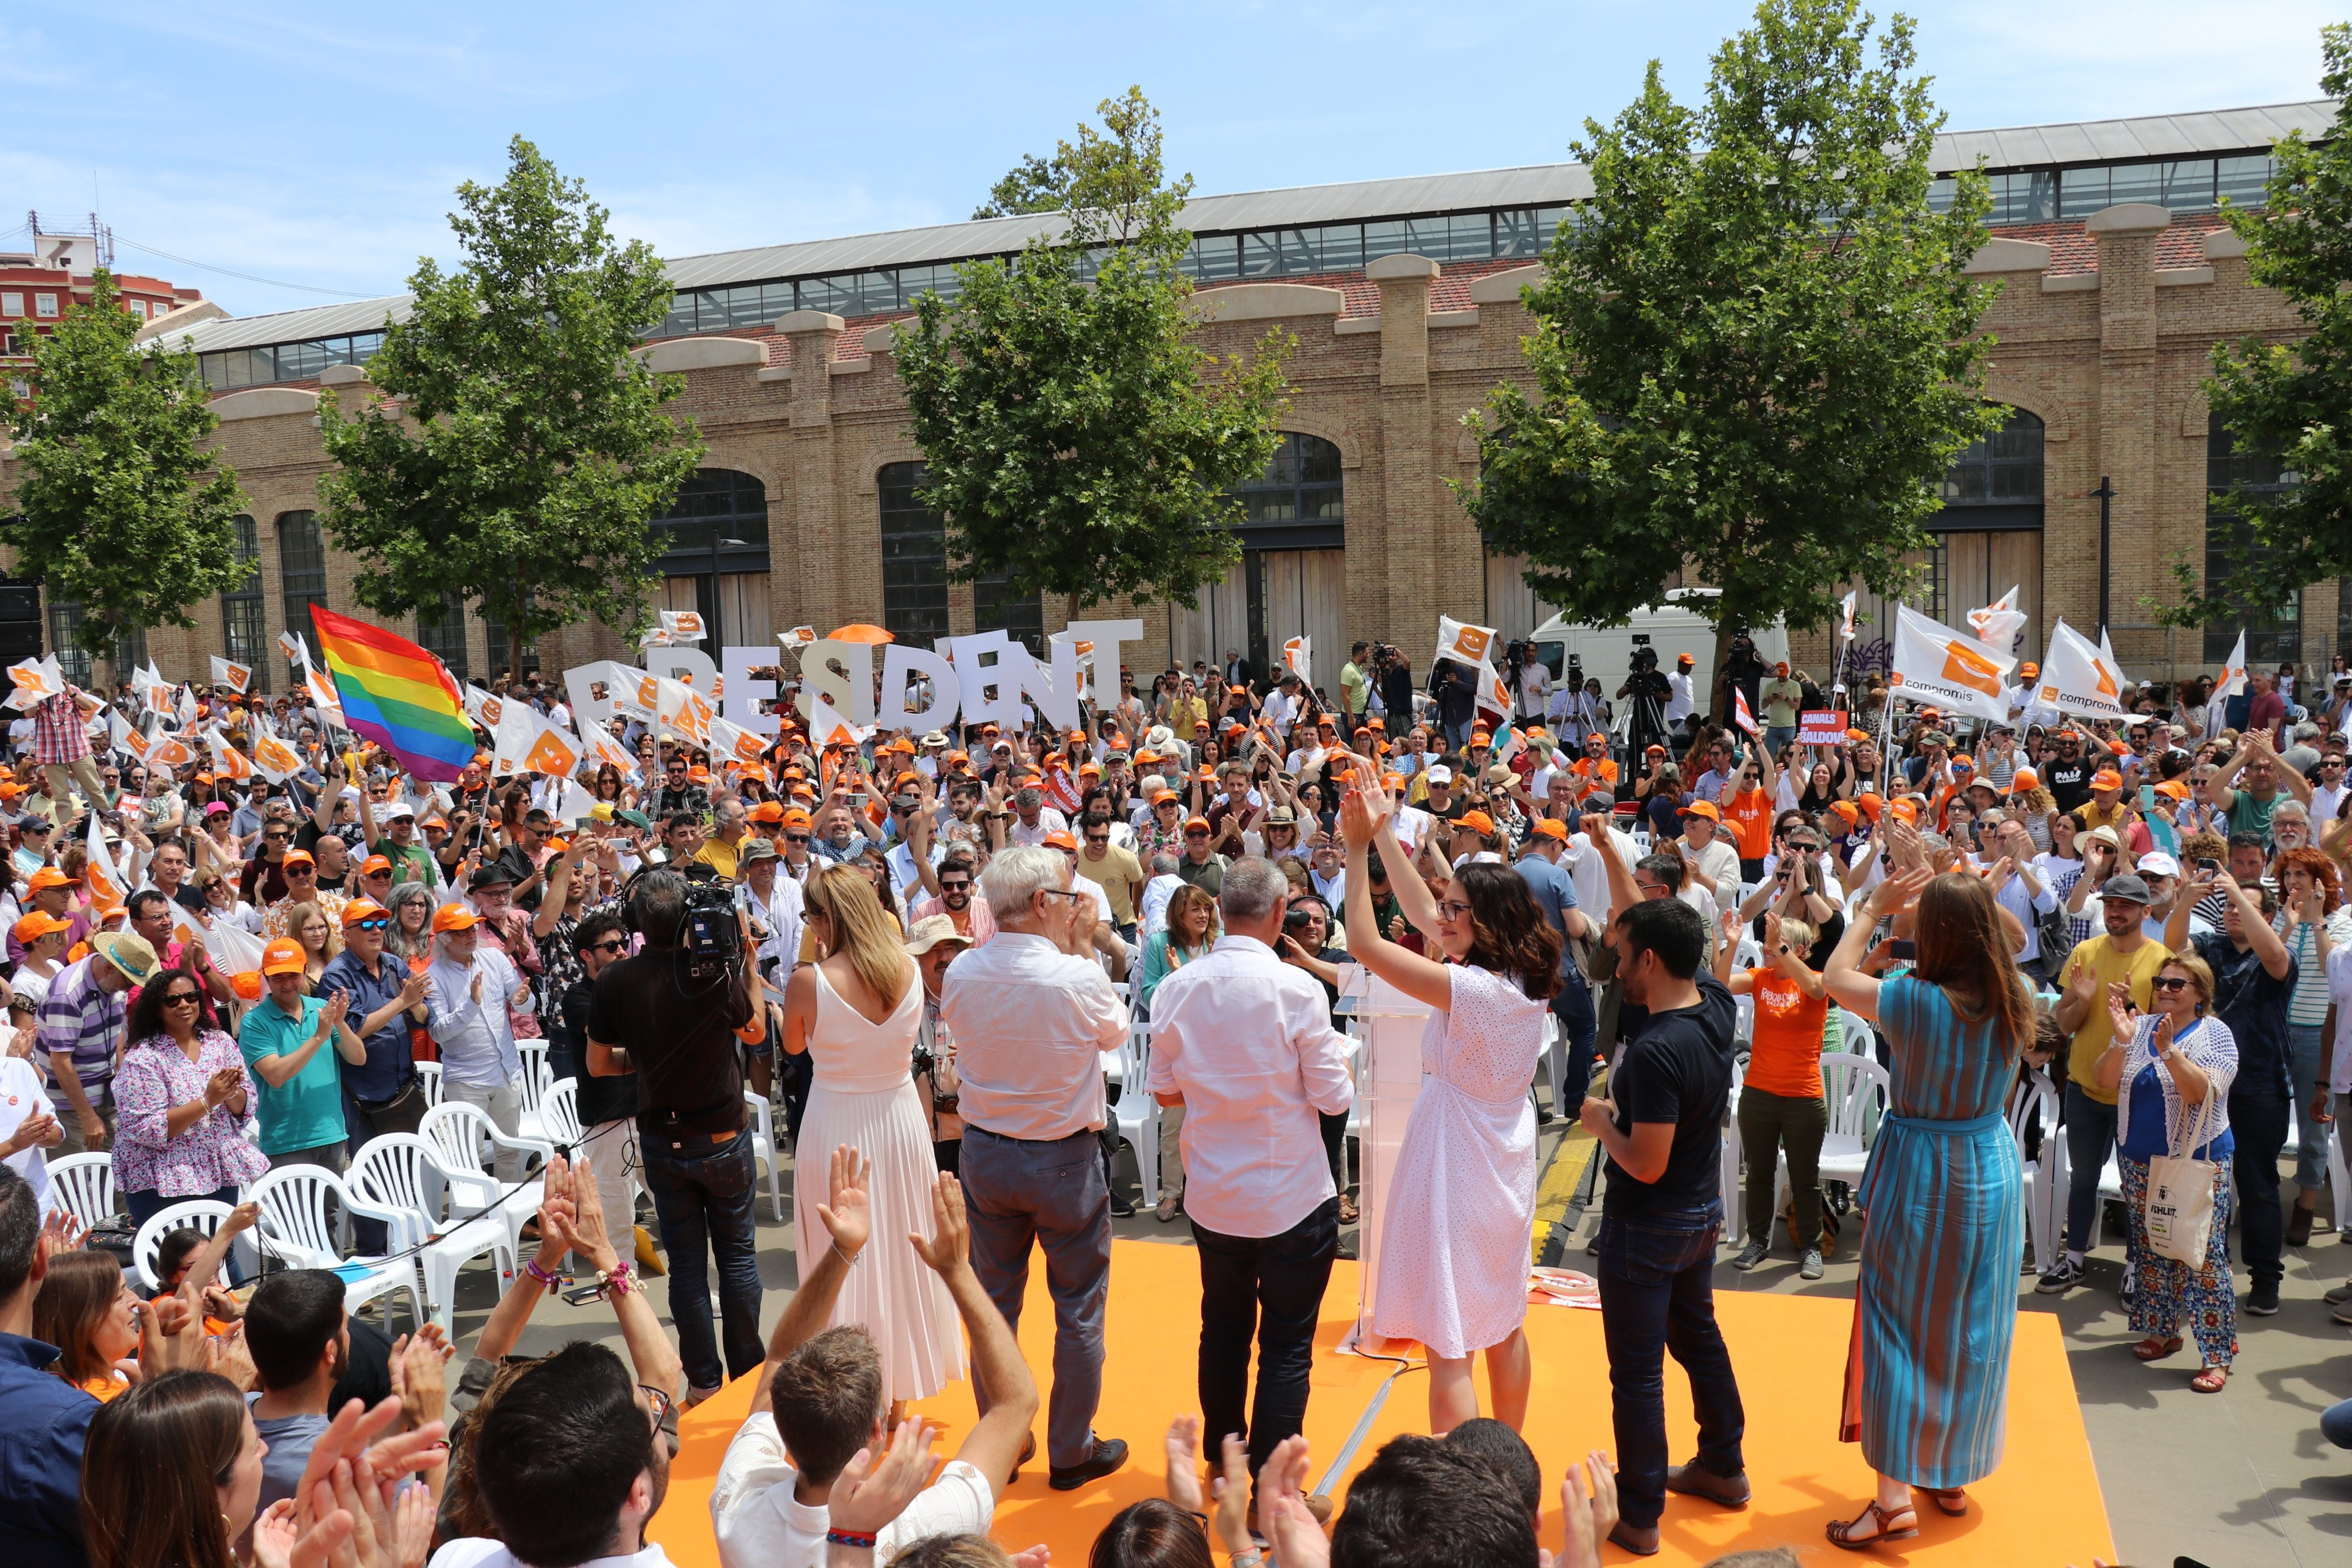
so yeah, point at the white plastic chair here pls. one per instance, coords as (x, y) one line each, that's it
(559, 1113)
(1734, 1228)
(1135, 1114)
(2043, 1200)
(1855, 1036)
(1857, 1089)
(295, 1222)
(537, 1076)
(763, 1147)
(205, 1214)
(429, 1074)
(2339, 1182)
(459, 1131)
(85, 1186)
(400, 1172)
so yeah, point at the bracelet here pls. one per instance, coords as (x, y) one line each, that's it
(849, 1538)
(1247, 1559)
(618, 1280)
(849, 1259)
(553, 1284)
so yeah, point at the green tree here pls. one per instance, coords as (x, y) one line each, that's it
(1033, 185)
(2290, 400)
(1077, 439)
(1752, 346)
(122, 508)
(519, 448)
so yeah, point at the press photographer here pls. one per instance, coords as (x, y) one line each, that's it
(670, 1015)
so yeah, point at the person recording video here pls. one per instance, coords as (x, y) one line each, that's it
(670, 1015)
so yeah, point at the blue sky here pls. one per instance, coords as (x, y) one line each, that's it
(318, 145)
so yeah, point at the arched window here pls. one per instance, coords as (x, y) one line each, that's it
(245, 614)
(715, 554)
(1298, 503)
(303, 569)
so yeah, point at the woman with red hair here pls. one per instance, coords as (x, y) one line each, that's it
(2312, 921)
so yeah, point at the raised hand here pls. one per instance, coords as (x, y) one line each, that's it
(2119, 1013)
(1184, 1444)
(1298, 1540)
(950, 1242)
(849, 1218)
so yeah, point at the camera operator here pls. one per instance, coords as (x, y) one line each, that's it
(1396, 688)
(653, 1016)
(1648, 691)
(1743, 668)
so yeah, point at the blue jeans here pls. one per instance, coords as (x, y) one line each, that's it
(2336, 1424)
(1017, 1192)
(1778, 736)
(1269, 1289)
(1657, 1294)
(702, 1195)
(1578, 1025)
(2309, 1045)
(2090, 1139)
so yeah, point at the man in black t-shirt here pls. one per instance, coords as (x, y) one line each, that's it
(608, 1106)
(1663, 1130)
(2068, 774)
(650, 1016)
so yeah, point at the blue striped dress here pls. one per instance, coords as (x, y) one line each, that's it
(1937, 1303)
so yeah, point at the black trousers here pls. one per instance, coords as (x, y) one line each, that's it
(1269, 1289)
(2259, 1123)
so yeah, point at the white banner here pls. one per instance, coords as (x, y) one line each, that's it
(682, 625)
(275, 758)
(2233, 677)
(1299, 658)
(604, 748)
(1465, 643)
(1934, 664)
(235, 677)
(296, 652)
(37, 680)
(2077, 678)
(1998, 625)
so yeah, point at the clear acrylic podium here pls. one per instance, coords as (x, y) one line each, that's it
(1388, 1025)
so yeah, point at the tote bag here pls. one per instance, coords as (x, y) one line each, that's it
(2180, 1203)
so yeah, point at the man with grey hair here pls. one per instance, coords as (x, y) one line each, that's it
(1031, 1013)
(1243, 1042)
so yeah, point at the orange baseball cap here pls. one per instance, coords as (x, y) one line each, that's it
(283, 957)
(2029, 669)
(359, 909)
(298, 857)
(50, 876)
(2173, 788)
(1193, 822)
(35, 926)
(2024, 779)
(1703, 809)
(1848, 810)
(1904, 812)
(1059, 840)
(1075, 737)
(768, 811)
(793, 817)
(454, 917)
(1164, 797)
(2107, 778)
(1478, 822)
(375, 865)
(1549, 828)
(1872, 805)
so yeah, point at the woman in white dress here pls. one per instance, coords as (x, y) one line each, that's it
(856, 1011)
(1455, 1243)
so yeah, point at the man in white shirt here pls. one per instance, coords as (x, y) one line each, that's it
(1714, 860)
(1033, 819)
(1156, 894)
(467, 991)
(1681, 703)
(820, 1398)
(1031, 1012)
(1244, 1043)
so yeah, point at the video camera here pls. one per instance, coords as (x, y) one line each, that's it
(1644, 658)
(711, 933)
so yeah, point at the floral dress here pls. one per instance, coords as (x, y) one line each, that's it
(219, 1151)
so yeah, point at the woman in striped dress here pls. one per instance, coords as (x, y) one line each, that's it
(1937, 1300)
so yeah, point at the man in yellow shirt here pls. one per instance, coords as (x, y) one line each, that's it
(2106, 807)
(2122, 956)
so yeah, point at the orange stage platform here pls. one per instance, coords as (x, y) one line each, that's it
(2043, 1507)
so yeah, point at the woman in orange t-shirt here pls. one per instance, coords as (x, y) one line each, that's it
(1781, 1109)
(1747, 810)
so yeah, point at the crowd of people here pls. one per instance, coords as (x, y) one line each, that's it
(918, 948)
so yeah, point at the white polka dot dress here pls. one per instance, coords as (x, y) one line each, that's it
(1455, 1245)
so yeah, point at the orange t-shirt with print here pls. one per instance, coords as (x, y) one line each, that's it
(1749, 819)
(1785, 1057)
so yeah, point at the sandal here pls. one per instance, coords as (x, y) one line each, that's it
(1951, 1501)
(1894, 1524)
(2212, 1380)
(1349, 1214)
(2155, 1349)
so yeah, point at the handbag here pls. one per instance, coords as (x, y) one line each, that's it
(2178, 1208)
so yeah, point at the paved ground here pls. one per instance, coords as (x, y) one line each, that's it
(2238, 1479)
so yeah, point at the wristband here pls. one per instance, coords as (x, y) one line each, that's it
(553, 1284)
(849, 1538)
(618, 1281)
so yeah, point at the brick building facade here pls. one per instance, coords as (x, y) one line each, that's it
(803, 513)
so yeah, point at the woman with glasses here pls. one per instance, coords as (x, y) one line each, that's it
(310, 927)
(221, 901)
(874, 866)
(185, 1102)
(1454, 1242)
(2171, 1069)
(855, 1012)
(2313, 923)
(1781, 1107)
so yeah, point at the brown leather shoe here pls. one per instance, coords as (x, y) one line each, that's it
(2298, 1225)
(1695, 1479)
(1639, 1542)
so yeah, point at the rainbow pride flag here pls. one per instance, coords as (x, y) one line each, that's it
(397, 695)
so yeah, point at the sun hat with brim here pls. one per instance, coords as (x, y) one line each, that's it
(129, 952)
(283, 957)
(932, 930)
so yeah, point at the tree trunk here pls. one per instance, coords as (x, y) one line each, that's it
(514, 654)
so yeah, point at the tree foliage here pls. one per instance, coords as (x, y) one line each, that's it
(123, 507)
(1033, 185)
(2293, 401)
(1752, 345)
(519, 448)
(1077, 439)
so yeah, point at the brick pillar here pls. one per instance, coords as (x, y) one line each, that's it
(2127, 408)
(1404, 556)
(808, 590)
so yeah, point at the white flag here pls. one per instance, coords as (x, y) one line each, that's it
(483, 708)
(1493, 696)
(1998, 623)
(2077, 677)
(275, 758)
(37, 680)
(324, 697)
(827, 727)
(1934, 664)
(1463, 642)
(733, 743)
(1845, 620)
(296, 652)
(235, 677)
(682, 625)
(511, 739)
(604, 748)
(574, 804)
(1299, 657)
(109, 886)
(682, 709)
(1739, 714)
(2233, 674)
(227, 761)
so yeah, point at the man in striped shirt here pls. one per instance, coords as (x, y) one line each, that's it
(61, 748)
(80, 1030)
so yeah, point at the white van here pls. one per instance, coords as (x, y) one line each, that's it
(1606, 652)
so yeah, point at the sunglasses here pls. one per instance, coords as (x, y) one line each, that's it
(301, 870)
(373, 923)
(796, 838)
(2171, 982)
(955, 885)
(614, 946)
(177, 998)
